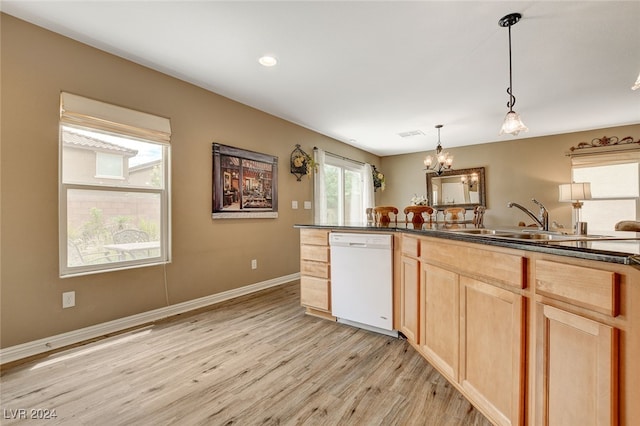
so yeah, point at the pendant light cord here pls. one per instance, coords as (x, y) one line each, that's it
(512, 99)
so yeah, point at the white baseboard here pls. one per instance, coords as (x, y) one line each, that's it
(14, 353)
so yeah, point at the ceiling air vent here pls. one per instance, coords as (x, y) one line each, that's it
(411, 133)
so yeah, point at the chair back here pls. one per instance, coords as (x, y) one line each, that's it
(370, 215)
(454, 214)
(130, 236)
(416, 214)
(383, 214)
(628, 225)
(478, 216)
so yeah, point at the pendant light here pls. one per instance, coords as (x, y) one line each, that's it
(512, 122)
(443, 160)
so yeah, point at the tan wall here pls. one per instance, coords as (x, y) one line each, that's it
(516, 170)
(209, 256)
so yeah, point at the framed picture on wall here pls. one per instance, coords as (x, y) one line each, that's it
(245, 183)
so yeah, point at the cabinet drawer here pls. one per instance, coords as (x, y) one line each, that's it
(314, 292)
(317, 237)
(314, 269)
(506, 268)
(586, 287)
(317, 253)
(410, 246)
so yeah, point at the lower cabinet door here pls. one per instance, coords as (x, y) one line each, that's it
(492, 350)
(576, 380)
(409, 291)
(440, 319)
(315, 293)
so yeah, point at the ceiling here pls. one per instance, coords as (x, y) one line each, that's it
(363, 72)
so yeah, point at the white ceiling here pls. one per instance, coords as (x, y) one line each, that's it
(364, 71)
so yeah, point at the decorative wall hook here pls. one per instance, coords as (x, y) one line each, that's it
(301, 163)
(378, 179)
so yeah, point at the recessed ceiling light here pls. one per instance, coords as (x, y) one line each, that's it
(268, 61)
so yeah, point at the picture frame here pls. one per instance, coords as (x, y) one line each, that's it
(244, 183)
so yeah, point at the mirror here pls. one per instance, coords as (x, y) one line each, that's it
(457, 188)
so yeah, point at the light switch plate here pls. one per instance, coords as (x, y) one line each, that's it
(307, 205)
(68, 299)
(294, 204)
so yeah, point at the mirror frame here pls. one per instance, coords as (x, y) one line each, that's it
(481, 187)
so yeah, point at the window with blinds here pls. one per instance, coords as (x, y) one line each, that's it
(114, 187)
(341, 190)
(615, 188)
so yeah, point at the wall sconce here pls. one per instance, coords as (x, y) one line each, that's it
(470, 180)
(574, 193)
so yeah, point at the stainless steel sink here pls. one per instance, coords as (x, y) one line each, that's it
(478, 231)
(527, 235)
(541, 237)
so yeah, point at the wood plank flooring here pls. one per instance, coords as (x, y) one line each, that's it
(254, 360)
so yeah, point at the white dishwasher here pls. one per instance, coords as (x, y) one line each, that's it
(362, 280)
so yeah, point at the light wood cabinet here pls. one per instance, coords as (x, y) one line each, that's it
(530, 338)
(577, 374)
(315, 272)
(473, 325)
(440, 319)
(409, 289)
(577, 357)
(492, 348)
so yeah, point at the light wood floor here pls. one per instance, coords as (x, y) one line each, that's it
(253, 360)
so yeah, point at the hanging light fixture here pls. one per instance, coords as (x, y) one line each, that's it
(512, 122)
(636, 85)
(443, 160)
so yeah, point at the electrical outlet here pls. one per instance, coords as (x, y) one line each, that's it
(294, 204)
(254, 264)
(307, 205)
(68, 299)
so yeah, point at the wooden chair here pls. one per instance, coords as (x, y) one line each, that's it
(454, 216)
(628, 225)
(370, 215)
(417, 214)
(478, 217)
(383, 214)
(524, 225)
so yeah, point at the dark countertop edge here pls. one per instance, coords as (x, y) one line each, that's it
(547, 247)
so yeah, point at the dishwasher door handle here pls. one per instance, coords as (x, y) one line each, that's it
(358, 245)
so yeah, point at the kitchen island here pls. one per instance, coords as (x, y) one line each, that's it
(531, 329)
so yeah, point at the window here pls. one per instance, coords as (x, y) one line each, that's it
(615, 190)
(114, 187)
(341, 190)
(109, 165)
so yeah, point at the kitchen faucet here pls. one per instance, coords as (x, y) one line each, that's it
(542, 220)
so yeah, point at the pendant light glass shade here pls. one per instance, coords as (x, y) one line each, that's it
(513, 124)
(636, 85)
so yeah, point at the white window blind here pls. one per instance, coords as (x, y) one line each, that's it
(85, 112)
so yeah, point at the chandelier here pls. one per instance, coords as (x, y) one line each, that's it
(443, 160)
(512, 122)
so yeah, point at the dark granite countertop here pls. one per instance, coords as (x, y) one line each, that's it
(619, 247)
